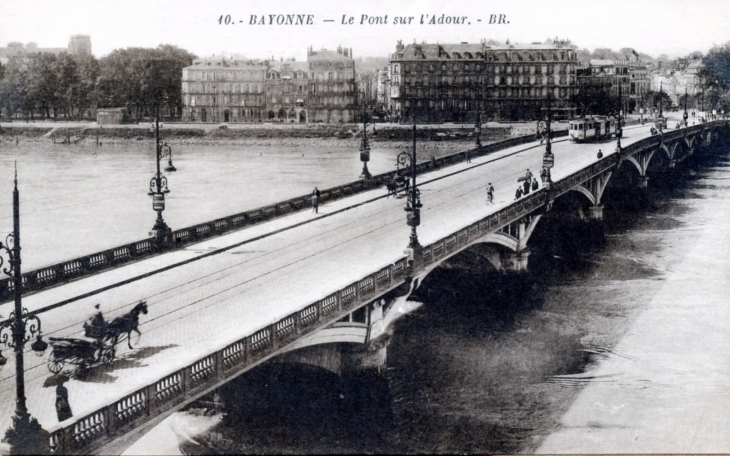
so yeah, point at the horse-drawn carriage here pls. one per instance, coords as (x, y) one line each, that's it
(85, 353)
(398, 184)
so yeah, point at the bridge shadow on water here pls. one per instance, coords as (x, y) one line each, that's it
(473, 370)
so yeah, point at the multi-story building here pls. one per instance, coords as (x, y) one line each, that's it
(79, 45)
(640, 84)
(287, 89)
(224, 90)
(332, 87)
(607, 75)
(239, 90)
(451, 82)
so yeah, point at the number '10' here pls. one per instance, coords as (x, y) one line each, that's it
(224, 19)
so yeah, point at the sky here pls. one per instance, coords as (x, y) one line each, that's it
(672, 27)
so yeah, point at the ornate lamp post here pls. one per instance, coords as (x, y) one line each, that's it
(413, 205)
(619, 130)
(26, 436)
(364, 145)
(478, 130)
(543, 129)
(158, 184)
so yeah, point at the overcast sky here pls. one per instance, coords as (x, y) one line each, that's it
(673, 27)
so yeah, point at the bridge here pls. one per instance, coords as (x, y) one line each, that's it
(294, 286)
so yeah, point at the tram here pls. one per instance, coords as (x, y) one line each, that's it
(589, 128)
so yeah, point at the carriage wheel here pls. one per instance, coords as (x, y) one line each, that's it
(107, 357)
(81, 370)
(55, 364)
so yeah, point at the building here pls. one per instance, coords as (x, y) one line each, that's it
(224, 90)
(607, 75)
(240, 90)
(287, 89)
(332, 89)
(79, 45)
(451, 82)
(640, 83)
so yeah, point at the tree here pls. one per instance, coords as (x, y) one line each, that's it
(136, 77)
(715, 72)
(13, 91)
(42, 83)
(653, 100)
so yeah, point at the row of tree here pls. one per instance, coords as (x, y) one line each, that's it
(44, 85)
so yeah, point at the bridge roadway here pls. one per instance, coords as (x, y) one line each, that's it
(211, 294)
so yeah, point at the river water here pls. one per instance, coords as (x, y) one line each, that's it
(487, 364)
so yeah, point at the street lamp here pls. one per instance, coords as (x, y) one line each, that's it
(685, 116)
(478, 130)
(364, 145)
(413, 205)
(543, 129)
(25, 435)
(158, 184)
(619, 130)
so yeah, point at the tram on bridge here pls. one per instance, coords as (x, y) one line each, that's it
(589, 128)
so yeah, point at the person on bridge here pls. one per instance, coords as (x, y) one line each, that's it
(528, 175)
(518, 193)
(600, 154)
(315, 200)
(96, 329)
(490, 193)
(543, 174)
(535, 185)
(63, 408)
(526, 186)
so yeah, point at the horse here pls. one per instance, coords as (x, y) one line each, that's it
(126, 324)
(392, 188)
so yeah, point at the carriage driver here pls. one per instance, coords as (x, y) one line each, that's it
(97, 322)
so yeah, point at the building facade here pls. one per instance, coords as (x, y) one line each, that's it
(222, 90)
(79, 45)
(332, 88)
(605, 76)
(451, 82)
(236, 90)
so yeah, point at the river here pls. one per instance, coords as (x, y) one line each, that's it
(492, 363)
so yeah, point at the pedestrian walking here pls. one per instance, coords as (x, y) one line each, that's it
(518, 193)
(490, 193)
(315, 200)
(535, 185)
(600, 154)
(526, 186)
(528, 175)
(63, 409)
(433, 162)
(468, 156)
(543, 175)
